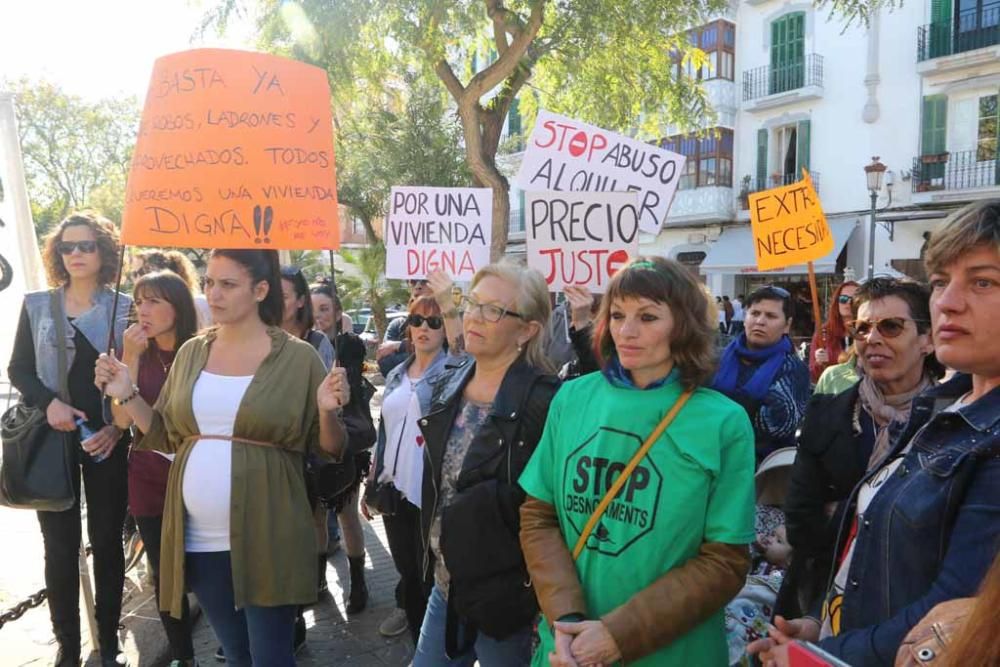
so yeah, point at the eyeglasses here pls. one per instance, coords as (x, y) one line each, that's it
(433, 321)
(771, 291)
(890, 327)
(844, 298)
(290, 272)
(67, 247)
(487, 311)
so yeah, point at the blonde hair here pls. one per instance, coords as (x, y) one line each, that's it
(532, 303)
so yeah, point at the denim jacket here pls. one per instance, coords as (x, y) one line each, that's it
(932, 530)
(93, 324)
(425, 390)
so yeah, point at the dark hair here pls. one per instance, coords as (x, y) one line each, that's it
(170, 260)
(917, 298)
(666, 281)
(770, 293)
(324, 289)
(964, 230)
(262, 265)
(170, 287)
(106, 236)
(304, 315)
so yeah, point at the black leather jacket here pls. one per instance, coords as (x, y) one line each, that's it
(495, 460)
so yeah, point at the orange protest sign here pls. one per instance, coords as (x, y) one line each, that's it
(788, 225)
(235, 150)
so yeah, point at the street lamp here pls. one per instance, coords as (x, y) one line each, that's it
(873, 173)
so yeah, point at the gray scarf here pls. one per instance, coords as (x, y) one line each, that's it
(884, 411)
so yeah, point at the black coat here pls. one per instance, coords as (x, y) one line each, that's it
(832, 458)
(479, 528)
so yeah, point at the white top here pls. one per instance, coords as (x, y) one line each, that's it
(208, 475)
(203, 310)
(737, 310)
(403, 460)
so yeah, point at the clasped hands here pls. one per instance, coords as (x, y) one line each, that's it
(583, 644)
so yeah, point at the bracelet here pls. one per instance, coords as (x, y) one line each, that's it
(122, 401)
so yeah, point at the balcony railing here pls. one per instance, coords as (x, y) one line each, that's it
(961, 170)
(767, 80)
(751, 184)
(970, 30)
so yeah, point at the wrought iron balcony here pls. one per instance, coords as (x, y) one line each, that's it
(751, 184)
(962, 170)
(970, 30)
(767, 80)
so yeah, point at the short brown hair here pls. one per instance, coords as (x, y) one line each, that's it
(170, 260)
(106, 236)
(967, 228)
(668, 282)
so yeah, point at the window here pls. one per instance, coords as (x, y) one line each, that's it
(718, 40)
(709, 158)
(986, 146)
(787, 53)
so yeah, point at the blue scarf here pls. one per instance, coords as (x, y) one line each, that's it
(616, 374)
(770, 360)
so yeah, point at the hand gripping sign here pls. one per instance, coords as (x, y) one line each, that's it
(235, 150)
(789, 226)
(438, 228)
(566, 155)
(581, 238)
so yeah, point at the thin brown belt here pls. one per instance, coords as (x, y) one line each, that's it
(233, 438)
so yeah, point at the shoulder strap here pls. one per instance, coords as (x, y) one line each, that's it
(60, 321)
(623, 477)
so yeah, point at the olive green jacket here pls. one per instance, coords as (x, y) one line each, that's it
(273, 544)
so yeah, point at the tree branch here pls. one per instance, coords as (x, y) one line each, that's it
(490, 77)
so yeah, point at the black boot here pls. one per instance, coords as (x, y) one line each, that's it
(357, 599)
(322, 587)
(69, 650)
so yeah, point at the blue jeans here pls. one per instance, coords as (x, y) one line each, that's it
(260, 636)
(511, 652)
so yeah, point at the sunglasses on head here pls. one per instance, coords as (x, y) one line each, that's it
(67, 247)
(890, 327)
(414, 282)
(290, 272)
(844, 298)
(433, 321)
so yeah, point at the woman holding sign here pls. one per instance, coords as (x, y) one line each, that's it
(241, 405)
(71, 321)
(641, 572)
(485, 417)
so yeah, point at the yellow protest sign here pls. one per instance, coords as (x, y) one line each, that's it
(788, 225)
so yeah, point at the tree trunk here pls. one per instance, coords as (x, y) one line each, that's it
(481, 161)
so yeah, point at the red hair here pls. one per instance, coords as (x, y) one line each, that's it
(836, 330)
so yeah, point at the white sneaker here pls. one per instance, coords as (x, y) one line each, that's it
(394, 624)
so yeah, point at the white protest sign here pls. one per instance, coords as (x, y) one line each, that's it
(564, 154)
(580, 238)
(438, 228)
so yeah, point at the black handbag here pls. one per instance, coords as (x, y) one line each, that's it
(37, 468)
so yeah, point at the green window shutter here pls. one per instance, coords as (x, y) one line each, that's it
(940, 28)
(802, 143)
(761, 159)
(788, 43)
(933, 131)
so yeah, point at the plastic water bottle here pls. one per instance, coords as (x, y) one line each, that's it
(85, 434)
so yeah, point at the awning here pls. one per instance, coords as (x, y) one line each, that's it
(733, 252)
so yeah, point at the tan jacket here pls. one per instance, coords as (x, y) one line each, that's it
(674, 604)
(273, 544)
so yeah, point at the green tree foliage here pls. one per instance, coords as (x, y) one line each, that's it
(371, 287)
(604, 61)
(76, 153)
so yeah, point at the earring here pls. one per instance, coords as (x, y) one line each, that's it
(520, 348)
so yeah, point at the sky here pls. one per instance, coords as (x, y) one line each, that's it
(101, 48)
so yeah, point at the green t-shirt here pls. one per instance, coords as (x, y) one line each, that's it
(837, 378)
(695, 485)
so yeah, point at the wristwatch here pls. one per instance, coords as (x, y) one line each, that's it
(122, 401)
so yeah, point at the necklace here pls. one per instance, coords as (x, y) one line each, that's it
(164, 365)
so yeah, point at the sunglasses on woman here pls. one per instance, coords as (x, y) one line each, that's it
(890, 327)
(433, 321)
(67, 247)
(844, 298)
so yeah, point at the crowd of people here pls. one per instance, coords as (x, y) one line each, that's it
(594, 484)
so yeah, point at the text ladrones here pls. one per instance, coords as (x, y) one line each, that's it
(566, 155)
(235, 150)
(438, 228)
(580, 238)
